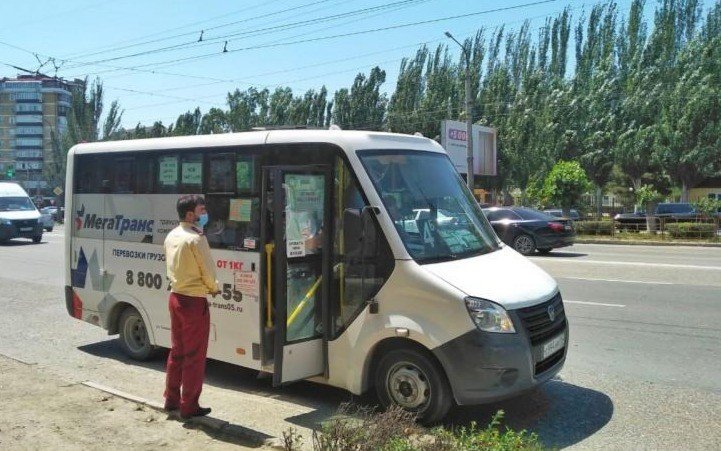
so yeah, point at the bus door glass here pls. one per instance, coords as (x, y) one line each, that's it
(300, 270)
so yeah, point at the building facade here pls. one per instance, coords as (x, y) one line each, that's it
(33, 110)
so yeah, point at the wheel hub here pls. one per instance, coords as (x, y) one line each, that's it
(408, 386)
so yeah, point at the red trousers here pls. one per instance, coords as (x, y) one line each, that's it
(189, 329)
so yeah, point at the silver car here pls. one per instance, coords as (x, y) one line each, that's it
(47, 219)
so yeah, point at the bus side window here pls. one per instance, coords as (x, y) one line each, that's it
(145, 169)
(233, 205)
(124, 175)
(361, 267)
(84, 175)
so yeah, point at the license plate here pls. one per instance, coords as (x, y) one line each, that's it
(26, 229)
(552, 346)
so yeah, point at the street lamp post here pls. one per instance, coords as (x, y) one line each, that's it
(469, 114)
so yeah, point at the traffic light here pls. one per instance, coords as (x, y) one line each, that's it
(10, 171)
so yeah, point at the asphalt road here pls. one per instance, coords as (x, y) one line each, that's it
(642, 370)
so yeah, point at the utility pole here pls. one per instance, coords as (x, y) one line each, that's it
(469, 115)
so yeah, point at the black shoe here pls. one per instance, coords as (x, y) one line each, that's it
(201, 412)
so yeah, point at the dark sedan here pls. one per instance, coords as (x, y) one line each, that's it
(528, 230)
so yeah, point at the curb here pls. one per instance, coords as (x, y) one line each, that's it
(645, 243)
(219, 426)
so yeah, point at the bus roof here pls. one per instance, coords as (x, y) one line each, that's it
(348, 139)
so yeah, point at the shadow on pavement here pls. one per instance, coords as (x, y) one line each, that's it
(15, 243)
(561, 254)
(562, 414)
(324, 400)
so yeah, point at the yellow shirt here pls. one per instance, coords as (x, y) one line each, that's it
(190, 267)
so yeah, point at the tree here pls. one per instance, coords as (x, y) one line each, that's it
(83, 126)
(565, 185)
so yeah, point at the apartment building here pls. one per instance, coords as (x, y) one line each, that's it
(33, 109)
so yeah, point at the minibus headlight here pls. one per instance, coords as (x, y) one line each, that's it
(489, 317)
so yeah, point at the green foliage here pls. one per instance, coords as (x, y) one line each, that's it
(708, 207)
(594, 227)
(361, 429)
(565, 184)
(691, 230)
(647, 196)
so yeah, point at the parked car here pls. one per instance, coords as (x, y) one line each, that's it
(46, 219)
(631, 221)
(528, 230)
(52, 211)
(669, 211)
(574, 214)
(678, 211)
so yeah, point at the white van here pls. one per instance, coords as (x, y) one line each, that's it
(354, 259)
(18, 216)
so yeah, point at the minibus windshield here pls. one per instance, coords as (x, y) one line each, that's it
(16, 204)
(435, 215)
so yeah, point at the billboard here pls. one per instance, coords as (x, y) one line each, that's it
(453, 139)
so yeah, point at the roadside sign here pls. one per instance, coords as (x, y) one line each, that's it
(58, 191)
(453, 139)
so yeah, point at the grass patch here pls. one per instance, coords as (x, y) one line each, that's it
(649, 237)
(362, 429)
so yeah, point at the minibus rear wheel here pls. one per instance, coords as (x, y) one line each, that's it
(413, 380)
(134, 339)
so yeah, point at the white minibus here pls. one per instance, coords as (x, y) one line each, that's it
(19, 218)
(354, 259)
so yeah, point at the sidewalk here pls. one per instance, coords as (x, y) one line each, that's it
(40, 411)
(591, 239)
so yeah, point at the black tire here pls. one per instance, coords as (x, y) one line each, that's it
(37, 238)
(413, 370)
(545, 251)
(524, 244)
(134, 340)
(48, 229)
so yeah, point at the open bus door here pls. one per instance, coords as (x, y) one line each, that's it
(297, 270)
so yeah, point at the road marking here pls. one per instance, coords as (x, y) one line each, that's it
(600, 304)
(616, 263)
(618, 280)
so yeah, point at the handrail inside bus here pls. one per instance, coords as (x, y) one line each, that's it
(305, 300)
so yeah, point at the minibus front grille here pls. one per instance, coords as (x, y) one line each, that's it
(550, 362)
(25, 223)
(538, 323)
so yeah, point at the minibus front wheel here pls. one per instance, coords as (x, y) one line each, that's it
(134, 338)
(414, 381)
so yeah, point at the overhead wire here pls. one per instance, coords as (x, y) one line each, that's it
(349, 34)
(250, 33)
(106, 49)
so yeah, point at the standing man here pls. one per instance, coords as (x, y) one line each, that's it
(192, 277)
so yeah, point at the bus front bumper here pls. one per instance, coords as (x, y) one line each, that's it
(10, 231)
(484, 367)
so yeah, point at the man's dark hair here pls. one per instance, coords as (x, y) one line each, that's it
(188, 203)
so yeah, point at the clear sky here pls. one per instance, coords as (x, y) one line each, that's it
(98, 38)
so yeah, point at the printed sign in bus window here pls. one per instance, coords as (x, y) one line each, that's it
(192, 173)
(304, 214)
(168, 171)
(244, 174)
(240, 210)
